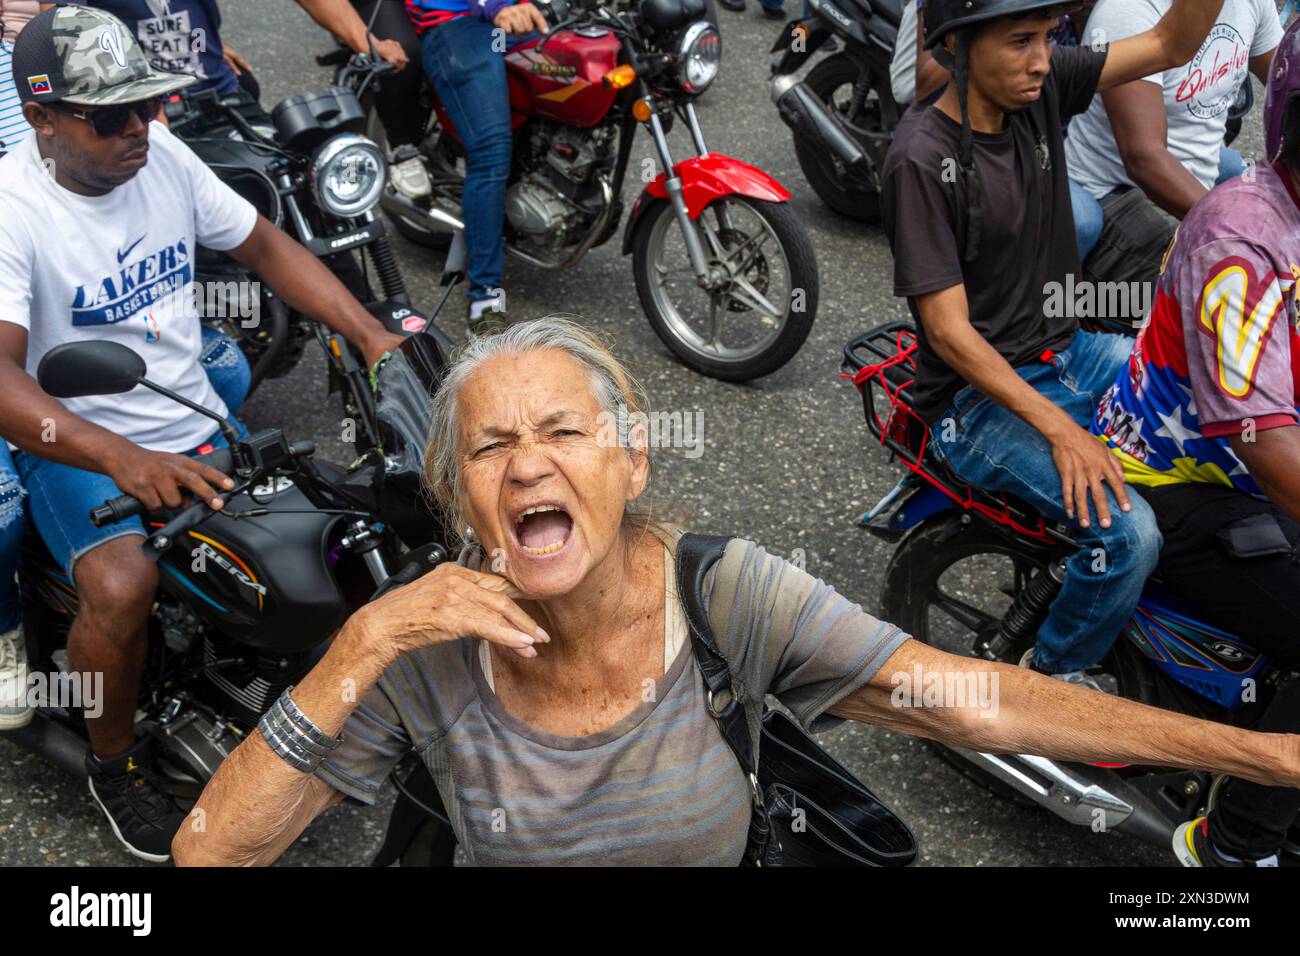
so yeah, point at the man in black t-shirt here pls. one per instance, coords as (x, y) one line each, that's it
(977, 210)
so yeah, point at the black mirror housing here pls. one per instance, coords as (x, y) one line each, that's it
(77, 369)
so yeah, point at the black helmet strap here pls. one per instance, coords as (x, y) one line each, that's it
(966, 149)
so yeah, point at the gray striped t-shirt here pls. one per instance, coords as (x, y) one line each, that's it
(659, 787)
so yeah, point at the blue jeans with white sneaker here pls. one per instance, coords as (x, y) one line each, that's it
(994, 450)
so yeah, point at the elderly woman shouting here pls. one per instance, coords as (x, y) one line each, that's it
(547, 679)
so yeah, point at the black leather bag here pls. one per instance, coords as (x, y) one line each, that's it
(808, 809)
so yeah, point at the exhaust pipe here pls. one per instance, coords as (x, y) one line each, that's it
(1080, 794)
(809, 118)
(53, 741)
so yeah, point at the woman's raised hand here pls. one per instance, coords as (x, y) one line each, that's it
(448, 603)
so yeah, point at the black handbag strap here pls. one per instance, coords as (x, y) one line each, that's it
(696, 555)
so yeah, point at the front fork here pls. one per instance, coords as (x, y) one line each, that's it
(699, 258)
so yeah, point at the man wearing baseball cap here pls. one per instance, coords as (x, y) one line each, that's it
(101, 212)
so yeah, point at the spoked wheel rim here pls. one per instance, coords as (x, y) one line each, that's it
(747, 311)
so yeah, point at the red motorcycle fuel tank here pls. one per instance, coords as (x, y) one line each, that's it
(565, 82)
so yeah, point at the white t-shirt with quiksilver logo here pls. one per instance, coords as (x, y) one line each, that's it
(120, 267)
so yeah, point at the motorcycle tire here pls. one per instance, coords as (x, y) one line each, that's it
(911, 583)
(825, 79)
(802, 265)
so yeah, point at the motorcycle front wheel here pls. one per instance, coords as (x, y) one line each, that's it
(761, 308)
(832, 81)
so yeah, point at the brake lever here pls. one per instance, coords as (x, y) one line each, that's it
(164, 539)
(558, 28)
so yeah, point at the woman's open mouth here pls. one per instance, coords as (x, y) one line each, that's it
(543, 530)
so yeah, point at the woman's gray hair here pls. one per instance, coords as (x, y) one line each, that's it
(616, 392)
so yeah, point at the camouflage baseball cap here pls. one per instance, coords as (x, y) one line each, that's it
(86, 57)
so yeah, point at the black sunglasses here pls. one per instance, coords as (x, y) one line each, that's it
(110, 120)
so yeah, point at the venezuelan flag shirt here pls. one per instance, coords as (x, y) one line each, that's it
(1220, 354)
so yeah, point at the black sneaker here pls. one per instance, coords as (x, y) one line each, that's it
(143, 815)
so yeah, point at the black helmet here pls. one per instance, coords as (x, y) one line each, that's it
(944, 16)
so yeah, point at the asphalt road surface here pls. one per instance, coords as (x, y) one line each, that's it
(786, 461)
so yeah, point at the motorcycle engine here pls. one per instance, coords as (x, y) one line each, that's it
(552, 203)
(244, 681)
(534, 209)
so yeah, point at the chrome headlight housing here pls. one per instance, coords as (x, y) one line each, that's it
(700, 55)
(348, 174)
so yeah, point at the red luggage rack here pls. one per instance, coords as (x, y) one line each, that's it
(884, 359)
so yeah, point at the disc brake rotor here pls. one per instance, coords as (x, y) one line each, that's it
(756, 273)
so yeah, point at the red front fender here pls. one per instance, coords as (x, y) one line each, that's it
(704, 179)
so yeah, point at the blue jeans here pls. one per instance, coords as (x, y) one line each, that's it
(11, 539)
(1088, 219)
(1231, 164)
(469, 76)
(60, 498)
(992, 449)
(226, 367)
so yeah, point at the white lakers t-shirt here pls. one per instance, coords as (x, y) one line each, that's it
(120, 267)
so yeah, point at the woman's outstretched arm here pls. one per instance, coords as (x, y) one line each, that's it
(1005, 709)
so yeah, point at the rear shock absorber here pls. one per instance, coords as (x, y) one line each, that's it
(390, 276)
(1019, 628)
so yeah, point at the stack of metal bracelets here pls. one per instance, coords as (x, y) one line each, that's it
(292, 735)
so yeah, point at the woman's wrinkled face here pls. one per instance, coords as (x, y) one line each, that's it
(544, 486)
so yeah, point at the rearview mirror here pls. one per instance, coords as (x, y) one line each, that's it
(90, 368)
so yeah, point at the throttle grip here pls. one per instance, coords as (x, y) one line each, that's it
(115, 509)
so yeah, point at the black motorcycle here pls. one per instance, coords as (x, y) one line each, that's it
(843, 114)
(307, 168)
(249, 595)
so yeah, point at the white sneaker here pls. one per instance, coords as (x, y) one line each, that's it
(1078, 678)
(410, 178)
(14, 709)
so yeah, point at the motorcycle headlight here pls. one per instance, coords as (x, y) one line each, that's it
(348, 174)
(700, 56)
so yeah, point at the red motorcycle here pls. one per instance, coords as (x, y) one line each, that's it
(723, 267)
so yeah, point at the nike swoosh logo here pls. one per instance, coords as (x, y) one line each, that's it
(123, 253)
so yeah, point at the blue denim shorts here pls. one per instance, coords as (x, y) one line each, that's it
(60, 499)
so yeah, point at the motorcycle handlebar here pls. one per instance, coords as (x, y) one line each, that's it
(128, 506)
(161, 539)
(116, 509)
